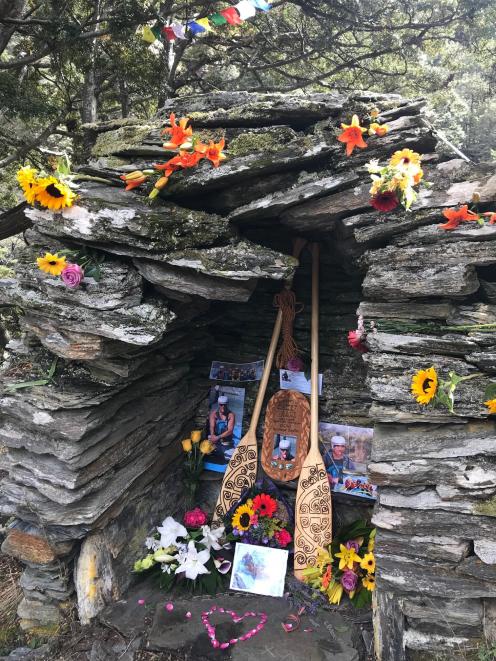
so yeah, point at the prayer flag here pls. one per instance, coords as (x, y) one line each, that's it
(245, 9)
(261, 4)
(231, 15)
(217, 19)
(204, 23)
(178, 30)
(195, 28)
(157, 31)
(169, 33)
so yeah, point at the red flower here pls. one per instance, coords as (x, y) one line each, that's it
(283, 537)
(384, 201)
(265, 505)
(456, 216)
(355, 341)
(195, 518)
(352, 135)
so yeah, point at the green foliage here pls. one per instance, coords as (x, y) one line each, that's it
(487, 652)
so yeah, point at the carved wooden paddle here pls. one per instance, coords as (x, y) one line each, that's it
(313, 508)
(241, 471)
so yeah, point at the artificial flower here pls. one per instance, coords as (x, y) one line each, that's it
(369, 582)
(368, 563)
(72, 275)
(456, 216)
(347, 557)
(179, 133)
(26, 177)
(206, 447)
(491, 405)
(405, 157)
(212, 151)
(170, 531)
(386, 201)
(492, 217)
(424, 385)
(211, 537)
(52, 264)
(378, 129)
(196, 435)
(349, 580)
(335, 592)
(283, 538)
(193, 562)
(352, 135)
(326, 578)
(222, 565)
(53, 194)
(187, 445)
(265, 505)
(195, 518)
(242, 516)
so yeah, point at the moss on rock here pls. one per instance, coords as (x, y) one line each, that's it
(121, 139)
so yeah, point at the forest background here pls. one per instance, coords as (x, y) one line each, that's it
(66, 63)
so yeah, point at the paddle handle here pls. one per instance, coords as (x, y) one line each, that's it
(314, 372)
(298, 245)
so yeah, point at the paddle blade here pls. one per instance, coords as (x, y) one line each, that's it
(240, 475)
(313, 514)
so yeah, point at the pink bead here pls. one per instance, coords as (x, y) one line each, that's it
(188, 615)
(233, 641)
(141, 602)
(169, 607)
(243, 637)
(215, 643)
(224, 646)
(221, 610)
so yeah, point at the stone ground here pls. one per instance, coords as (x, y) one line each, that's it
(128, 631)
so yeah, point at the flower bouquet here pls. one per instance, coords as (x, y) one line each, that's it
(346, 566)
(195, 450)
(191, 552)
(261, 519)
(393, 184)
(83, 263)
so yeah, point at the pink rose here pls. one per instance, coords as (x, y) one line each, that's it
(295, 364)
(195, 518)
(72, 276)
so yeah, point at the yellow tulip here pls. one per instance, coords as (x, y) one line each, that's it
(206, 447)
(187, 445)
(196, 436)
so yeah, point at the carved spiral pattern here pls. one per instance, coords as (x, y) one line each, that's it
(240, 475)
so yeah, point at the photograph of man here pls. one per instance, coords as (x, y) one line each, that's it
(282, 452)
(221, 425)
(337, 460)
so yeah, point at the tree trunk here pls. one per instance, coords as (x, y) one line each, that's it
(89, 105)
(9, 9)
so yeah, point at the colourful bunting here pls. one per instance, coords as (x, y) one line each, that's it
(178, 30)
(157, 31)
(204, 23)
(195, 28)
(217, 19)
(245, 9)
(169, 33)
(148, 35)
(261, 4)
(231, 15)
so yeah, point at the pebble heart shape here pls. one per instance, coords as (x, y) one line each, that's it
(236, 619)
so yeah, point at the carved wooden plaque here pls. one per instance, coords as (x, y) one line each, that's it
(286, 434)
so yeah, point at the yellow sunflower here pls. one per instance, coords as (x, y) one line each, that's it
(53, 194)
(405, 157)
(52, 264)
(491, 405)
(368, 563)
(242, 516)
(26, 177)
(424, 385)
(369, 582)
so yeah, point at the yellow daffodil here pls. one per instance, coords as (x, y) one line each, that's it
(242, 517)
(368, 563)
(187, 445)
(206, 447)
(424, 385)
(491, 405)
(26, 177)
(52, 264)
(369, 582)
(335, 592)
(347, 557)
(53, 194)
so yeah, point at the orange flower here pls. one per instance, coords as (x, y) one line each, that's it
(134, 183)
(179, 133)
(326, 578)
(456, 216)
(183, 160)
(378, 129)
(492, 217)
(352, 135)
(212, 151)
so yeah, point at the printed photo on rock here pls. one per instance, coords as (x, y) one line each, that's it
(224, 425)
(222, 371)
(346, 453)
(259, 570)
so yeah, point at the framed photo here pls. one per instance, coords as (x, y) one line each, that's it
(259, 570)
(346, 455)
(222, 371)
(224, 424)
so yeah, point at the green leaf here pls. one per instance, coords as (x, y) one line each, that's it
(490, 392)
(362, 598)
(27, 384)
(52, 369)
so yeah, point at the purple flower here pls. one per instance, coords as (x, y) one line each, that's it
(235, 532)
(72, 276)
(353, 544)
(349, 580)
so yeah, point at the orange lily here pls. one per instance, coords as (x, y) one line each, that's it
(492, 217)
(212, 151)
(179, 133)
(134, 183)
(456, 216)
(352, 135)
(378, 129)
(183, 160)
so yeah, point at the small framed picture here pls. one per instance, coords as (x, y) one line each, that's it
(259, 569)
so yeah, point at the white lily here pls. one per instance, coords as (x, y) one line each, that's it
(162, 555)
(193, 563)
(211, 537)
(170, 531)
(152, 543)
